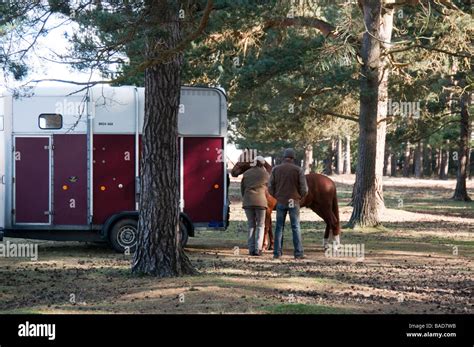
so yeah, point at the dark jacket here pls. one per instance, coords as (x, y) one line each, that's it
(288, 182)
(253, 187)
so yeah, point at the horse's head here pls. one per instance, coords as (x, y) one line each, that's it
(239, 168)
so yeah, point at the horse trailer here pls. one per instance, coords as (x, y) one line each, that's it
(70, 163)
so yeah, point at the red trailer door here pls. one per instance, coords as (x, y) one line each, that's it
(70, 179)
(114, 175)
(32, 180)
(203, 181)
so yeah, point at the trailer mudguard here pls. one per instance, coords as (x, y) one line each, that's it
(187, 222)
(104, 234)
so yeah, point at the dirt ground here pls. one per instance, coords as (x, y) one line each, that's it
(420, 262)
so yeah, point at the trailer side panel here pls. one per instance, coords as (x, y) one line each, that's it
(32, 180)
(204, 179)
(70, 179)
(114, 175)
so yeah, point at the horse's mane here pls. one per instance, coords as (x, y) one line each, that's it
(267, 167)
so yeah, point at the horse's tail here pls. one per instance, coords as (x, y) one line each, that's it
(335, 211)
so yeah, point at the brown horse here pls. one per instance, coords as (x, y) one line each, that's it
(321, 198)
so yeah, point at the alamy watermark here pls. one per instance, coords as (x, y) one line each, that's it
(356, 250)
(403, 108)
(248, 155)
(19, 250)
(37, 330)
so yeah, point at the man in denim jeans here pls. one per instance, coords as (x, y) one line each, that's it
(288, 185)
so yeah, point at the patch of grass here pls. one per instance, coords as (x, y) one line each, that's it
(303, 309)
(231, 234)
(21, 311)
(368, 230)
(432, 205)
(124, 272)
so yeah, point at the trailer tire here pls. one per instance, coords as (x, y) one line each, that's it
(124, 235)
(184, 234)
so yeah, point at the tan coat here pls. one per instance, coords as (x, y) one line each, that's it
(253, 187)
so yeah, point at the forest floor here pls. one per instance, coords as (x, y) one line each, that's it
(421, 262)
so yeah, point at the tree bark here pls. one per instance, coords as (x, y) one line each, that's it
(419, 160)
(339, 157)
(368, 189)
(347, 156)
(159, 252)
(460, 192)
(308, 158)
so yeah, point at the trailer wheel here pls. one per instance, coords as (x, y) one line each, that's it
(124, 235)
(184, 235)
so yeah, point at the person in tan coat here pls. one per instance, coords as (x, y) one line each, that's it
(253, 187)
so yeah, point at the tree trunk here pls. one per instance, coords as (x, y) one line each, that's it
(428, 155)
(328, 170)
(368, 189)
(444, 166)
(387, 163)
(340, 158)
(347, 156)
(471, 161)
(437, 161)
(419, 160)
(460, 192)
(406, 160)
(159, 252)
(394, 164)
(308, 158)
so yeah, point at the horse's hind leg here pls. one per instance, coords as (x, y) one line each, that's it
(268, 235)
(332, 234)
(327, 234)
(327, 231)
(270, 232)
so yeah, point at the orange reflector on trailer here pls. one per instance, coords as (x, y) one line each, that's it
(216, 186)
(102, 188)
(65, 187)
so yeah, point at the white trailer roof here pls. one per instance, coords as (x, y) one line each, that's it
(203, 111)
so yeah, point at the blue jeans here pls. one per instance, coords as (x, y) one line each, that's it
(294, 212)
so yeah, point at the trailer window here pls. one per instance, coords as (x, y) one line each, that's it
(50, 121)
